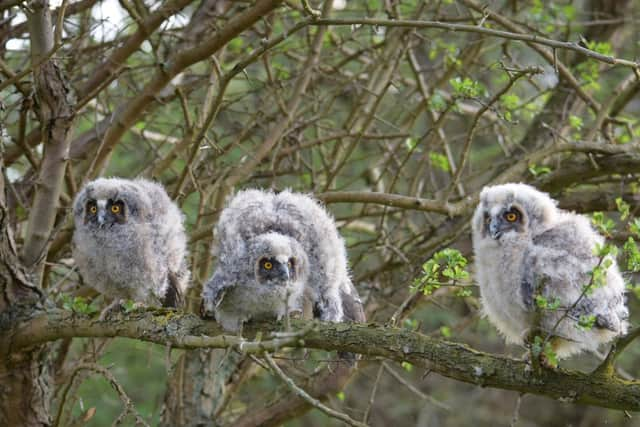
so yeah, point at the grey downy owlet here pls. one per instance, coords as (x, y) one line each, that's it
(525, 246)
(129, 241)
(277, 253)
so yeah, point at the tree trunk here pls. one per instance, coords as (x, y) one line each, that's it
(201, 384)
(25, 380)
(25, 377)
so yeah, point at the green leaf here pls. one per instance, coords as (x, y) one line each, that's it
(634, 227)
(407, 366)
(446, 267)
(410, 143)
(463, 291)
(411, 324)
(236, 44)
(77, 305)
(586, 321)
(602, 223)
(536, 170)
(541, 301)
(569, 11)
(440, 161)
(128, 306)
(603, 48)
(466, 88)
(551, 356)
(632, 253)
(437, 102)
(536, 346)
(623, 208)
(554, 305)
(575, 122)
(510, 101)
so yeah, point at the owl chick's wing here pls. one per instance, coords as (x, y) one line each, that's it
(558, 265)
(305, 219)
(248, 214)
(351, 304)
(213, 293)
(173, 296)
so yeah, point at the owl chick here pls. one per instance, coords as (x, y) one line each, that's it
(308, 237)
(265, 279)
(129, 241)
(525, 246)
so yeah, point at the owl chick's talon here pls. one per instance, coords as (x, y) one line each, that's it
(296, 314)
(206, 310)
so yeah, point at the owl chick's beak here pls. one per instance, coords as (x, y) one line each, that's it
(283, 270)
(101, 217)
(494, 229)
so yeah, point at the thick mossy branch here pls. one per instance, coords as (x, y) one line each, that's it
(449, 359)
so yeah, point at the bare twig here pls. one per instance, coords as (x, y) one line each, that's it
(530, 38)
(314, 402)
(129, 408)
(372, 396)
(414, 389)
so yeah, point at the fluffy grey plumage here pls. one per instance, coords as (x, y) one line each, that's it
(522, 241)
(129, 241)
(268, 279)
(248, 230)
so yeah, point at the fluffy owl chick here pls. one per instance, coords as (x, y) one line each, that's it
(264, 280)
(129, 241)
(525, 246)
(251, 213)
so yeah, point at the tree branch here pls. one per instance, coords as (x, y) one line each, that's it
(134, 108)
(56, 115)
(308, 398)
(394, 200)
(452, 360)
(529, 38)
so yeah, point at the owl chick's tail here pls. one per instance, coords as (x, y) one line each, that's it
(173, 297)
(353, 311)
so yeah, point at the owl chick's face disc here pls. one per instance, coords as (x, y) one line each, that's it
(503, 221)
(275, 271)
(105, 213)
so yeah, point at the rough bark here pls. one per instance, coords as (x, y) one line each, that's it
(24, 375)
(202, 382)
(450, 359)
(25, 378)
(56, 113)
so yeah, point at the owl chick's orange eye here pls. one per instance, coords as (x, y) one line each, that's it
(511, 216)
(267, 265)
(115, 209)
(93, 209)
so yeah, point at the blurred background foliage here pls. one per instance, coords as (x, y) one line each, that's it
(427, 113)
